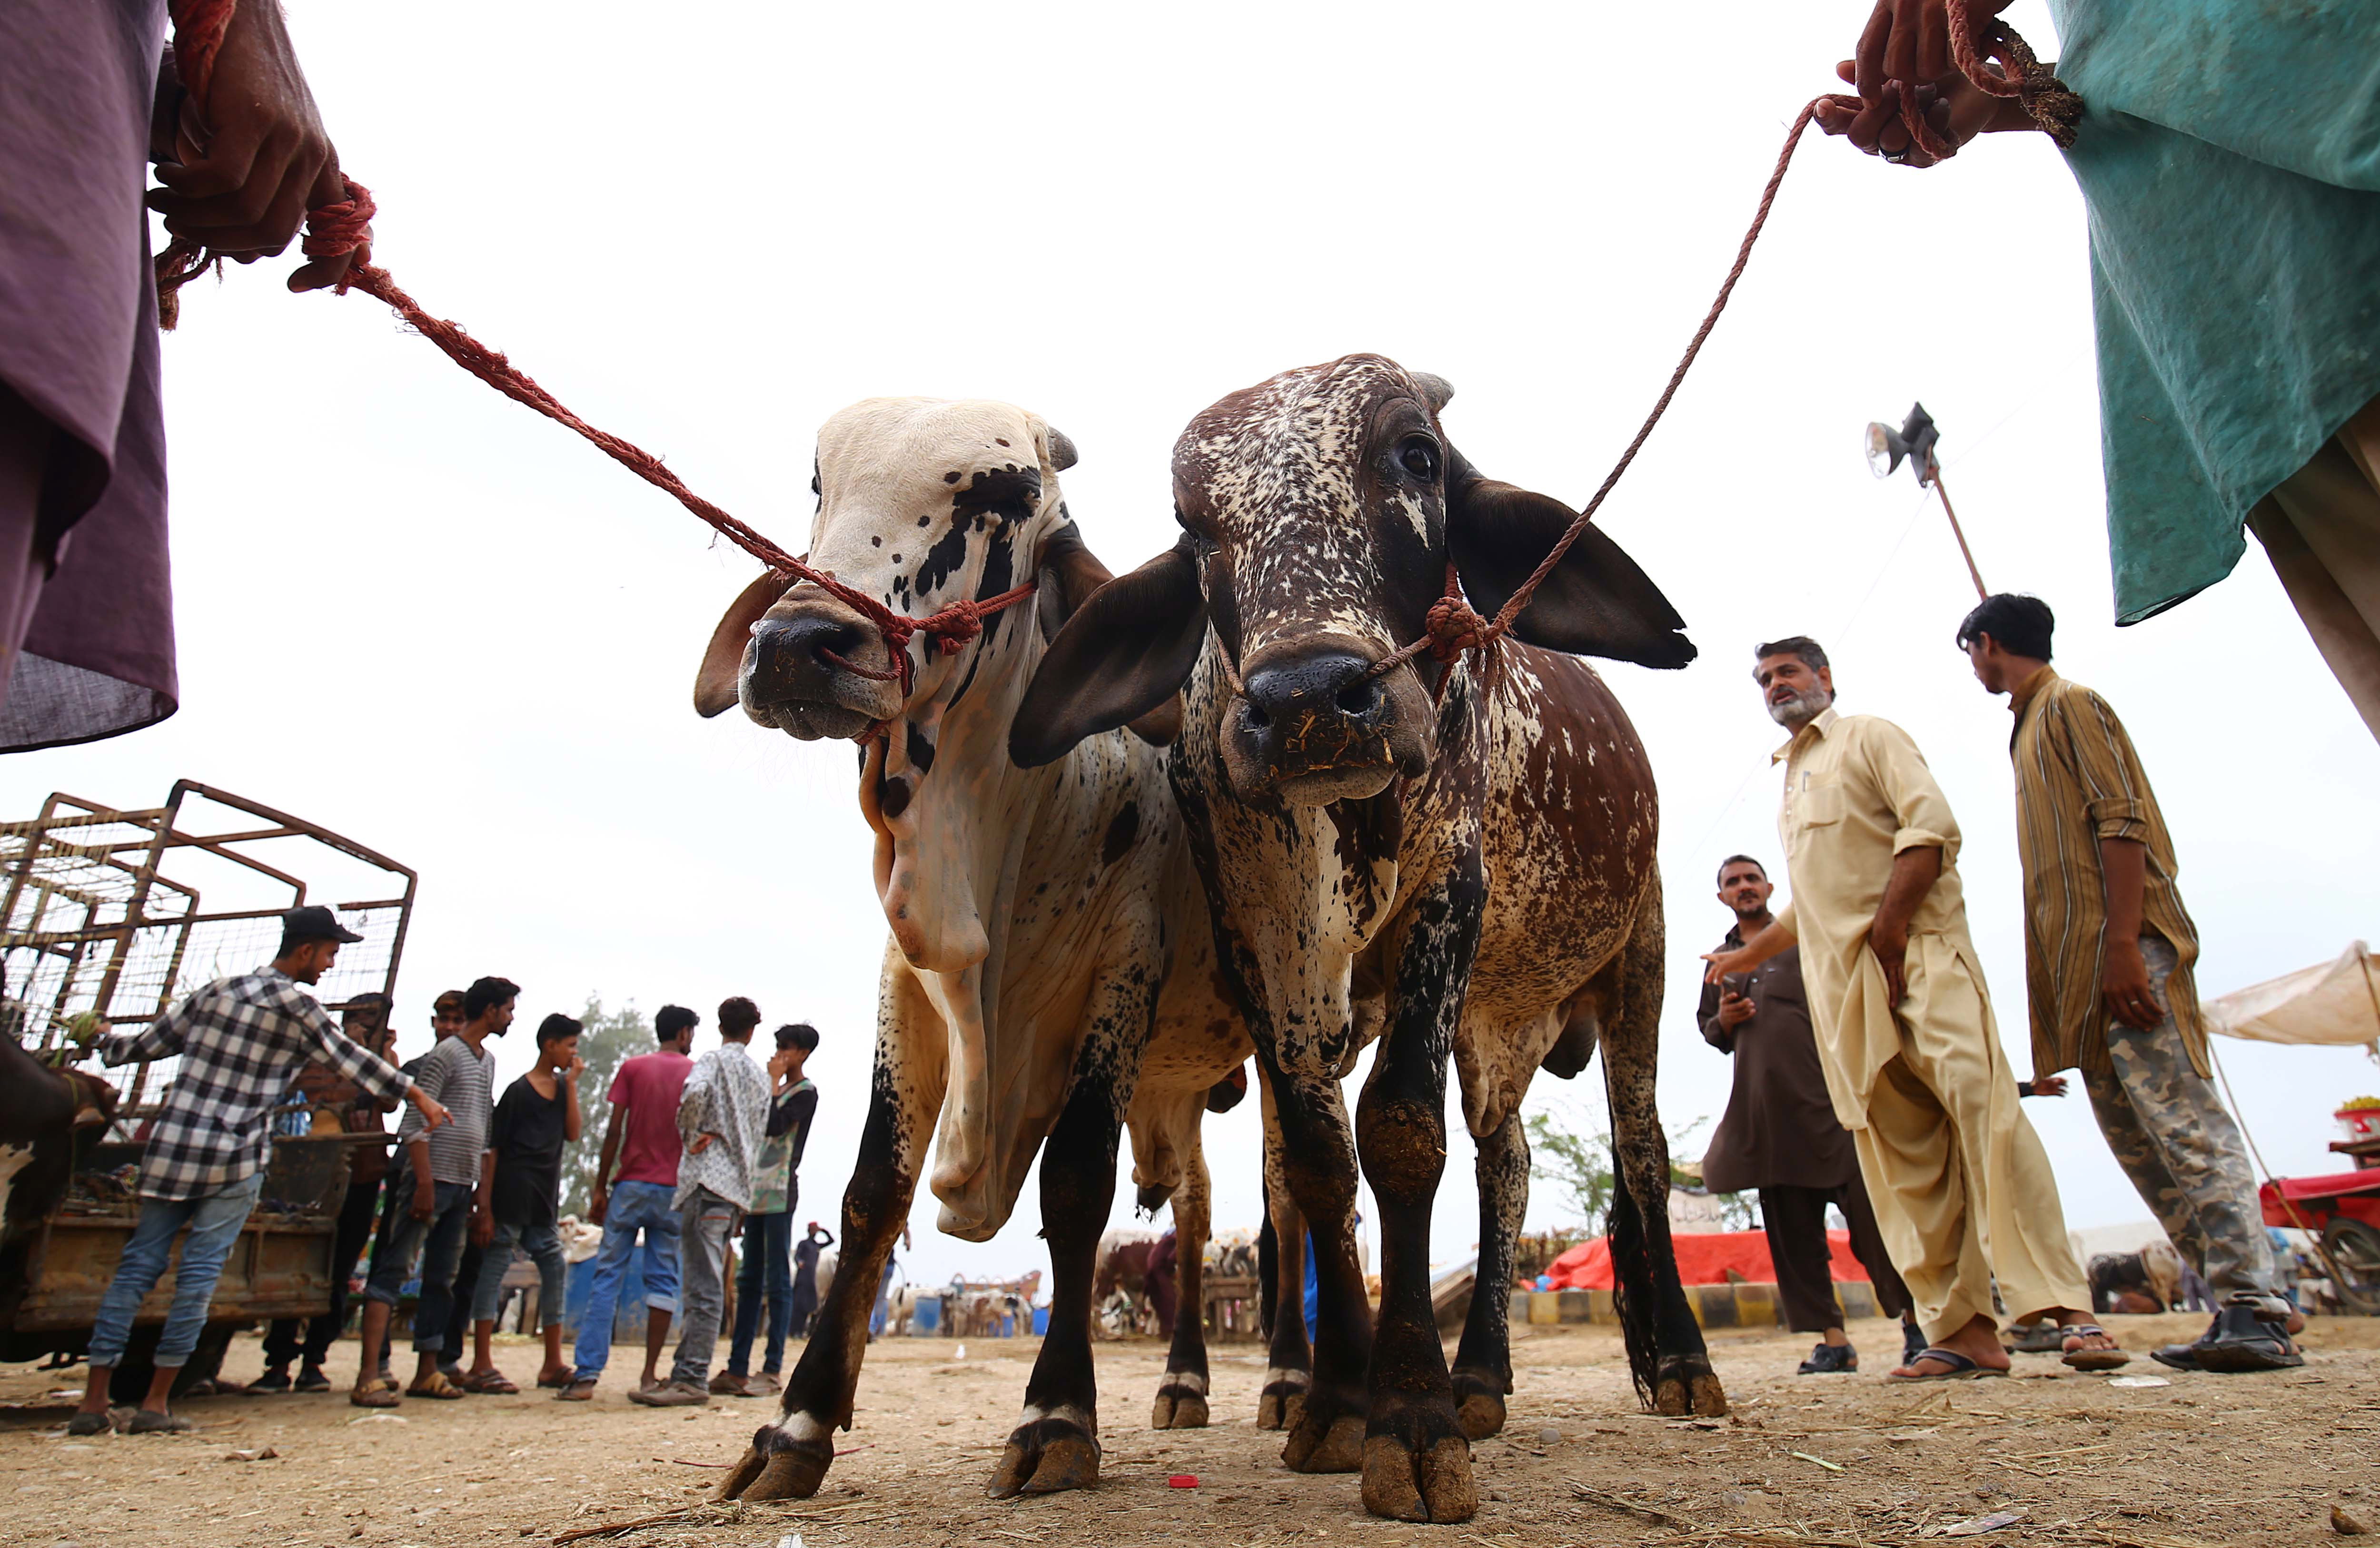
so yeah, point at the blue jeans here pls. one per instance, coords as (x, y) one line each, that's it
(438, 1242)
(768, 1262)
(214, 1220)
(635, 1207)
(881, 1317)
(543, 1244)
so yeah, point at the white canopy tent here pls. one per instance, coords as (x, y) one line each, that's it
(2336, 1003)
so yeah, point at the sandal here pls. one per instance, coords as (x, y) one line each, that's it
(149, 1421)
(490, 1383)
(435, 1386)
(2091, 1360)
(547, 1378)
(374, 1394)
(1962, 1368)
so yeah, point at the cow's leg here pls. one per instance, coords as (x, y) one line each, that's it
(1056, 1444)
(1290, 1370)
(1483, 1362)
(1182, 1396)
(1417, 1462)
(1318, 1169)
(788, 1459)
(1665, 1344)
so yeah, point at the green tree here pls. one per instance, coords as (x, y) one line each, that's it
(1576, 1156)
(612, 1038)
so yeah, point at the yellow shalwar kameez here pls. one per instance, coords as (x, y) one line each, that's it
(1962, 1189)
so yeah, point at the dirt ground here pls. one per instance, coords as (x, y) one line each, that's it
(1825, 1461)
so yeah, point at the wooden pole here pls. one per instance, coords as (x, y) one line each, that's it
(1933, 471)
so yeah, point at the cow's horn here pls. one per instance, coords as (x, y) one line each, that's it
(1435, 390)
(1063, 454)
(85, 1117)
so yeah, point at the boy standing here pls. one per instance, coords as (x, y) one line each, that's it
(453, 1170)
(721, 1115)
(642, 1137)
(766, 1272)
(537, 1118)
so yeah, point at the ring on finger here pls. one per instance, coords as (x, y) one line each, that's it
(1894, 157)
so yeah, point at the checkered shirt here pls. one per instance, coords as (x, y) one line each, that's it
(241, 1040)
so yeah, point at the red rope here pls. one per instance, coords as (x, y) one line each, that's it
(1452, 627)
(344, 226)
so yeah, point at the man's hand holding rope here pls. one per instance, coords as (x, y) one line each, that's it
(1906, 67)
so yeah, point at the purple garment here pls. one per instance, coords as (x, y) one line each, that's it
(86, 602)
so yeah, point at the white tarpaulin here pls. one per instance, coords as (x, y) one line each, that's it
(2335, 1002)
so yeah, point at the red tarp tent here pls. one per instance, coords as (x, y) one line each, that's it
(1704, 1258)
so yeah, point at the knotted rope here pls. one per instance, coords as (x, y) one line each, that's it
(344, 226)
(1452, 627)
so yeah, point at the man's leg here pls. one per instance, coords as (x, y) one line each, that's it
(450, 1348)
(215, 1222)
(1867, 1245)
(283, 1342)
(346, 1247)
(662, 1255)
(1795, 1222)
(777, 1247)
(704, 1223)
(592, 1349)
(543, 1245)
(2013, 1214)
(441, 1259)
(751, 1298)
(137, 1273)
(486, 1293)
(2182, 1151)
(401, 1237)
(2321, 529)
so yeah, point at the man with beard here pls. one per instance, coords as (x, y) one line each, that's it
(1962, 1189)
(1781, 1136)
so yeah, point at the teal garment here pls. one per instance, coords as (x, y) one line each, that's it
(2229, 160)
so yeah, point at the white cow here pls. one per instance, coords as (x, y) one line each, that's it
(1048, 938)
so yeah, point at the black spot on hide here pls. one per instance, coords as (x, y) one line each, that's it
(1121, 834)
(921, 750)
(892, 797)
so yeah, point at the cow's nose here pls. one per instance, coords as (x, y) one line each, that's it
(797, 658)
(1314, 714)
(1328, 684)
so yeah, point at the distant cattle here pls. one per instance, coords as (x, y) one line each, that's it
(1050, 970)
(1461, 862)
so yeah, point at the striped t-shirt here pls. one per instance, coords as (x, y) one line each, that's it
(462, 1082)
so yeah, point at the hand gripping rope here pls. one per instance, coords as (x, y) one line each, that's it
(1452, 626)
(1995, 60)
(345, 224)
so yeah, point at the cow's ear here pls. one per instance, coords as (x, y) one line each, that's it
(722, 659)
(1068, 572)
(1121, 658)
(1597, 602)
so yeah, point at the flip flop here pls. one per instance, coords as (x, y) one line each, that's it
(2091, 1360)
(557, 1381)
(1962, 1368)
(489, 1383)
(437, 1387)
(374, 1394)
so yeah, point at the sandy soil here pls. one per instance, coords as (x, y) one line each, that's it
(1820, 1460)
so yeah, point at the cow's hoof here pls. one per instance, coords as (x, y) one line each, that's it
(1181, 1402)
(1045, 1455)
(778, 1467)
(1327, 1438)
(1431, 1483)
(1282, 1401)
(1686, 1386)
(1479, 1403)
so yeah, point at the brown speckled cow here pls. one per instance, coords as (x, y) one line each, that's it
(1463, 862)
(1051, 968)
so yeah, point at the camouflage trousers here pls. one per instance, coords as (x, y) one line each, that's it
(2176, 1142)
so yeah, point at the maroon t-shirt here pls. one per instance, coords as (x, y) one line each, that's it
(648, 1086)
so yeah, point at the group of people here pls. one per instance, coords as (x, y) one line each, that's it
(694, 1151)
(1869, 1073)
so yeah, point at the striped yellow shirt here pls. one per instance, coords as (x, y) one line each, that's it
(2078, 781)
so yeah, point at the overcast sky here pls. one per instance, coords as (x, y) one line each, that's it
(412, 610)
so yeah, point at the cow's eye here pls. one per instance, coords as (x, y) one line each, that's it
(1418, 456)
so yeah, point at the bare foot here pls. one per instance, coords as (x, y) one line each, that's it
(1979, 1341)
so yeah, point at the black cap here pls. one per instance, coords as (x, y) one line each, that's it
(315, 922)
